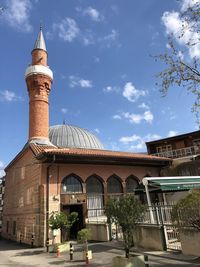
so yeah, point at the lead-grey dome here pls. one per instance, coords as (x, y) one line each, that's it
(73, 137)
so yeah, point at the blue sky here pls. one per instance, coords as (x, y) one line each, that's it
(104, 75)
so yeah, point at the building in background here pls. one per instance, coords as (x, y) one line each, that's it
(181, 147)
(184, 149)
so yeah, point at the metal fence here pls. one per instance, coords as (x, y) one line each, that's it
(158, 214)
(161, 214)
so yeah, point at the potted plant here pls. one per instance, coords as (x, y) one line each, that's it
(126, 212)
(83, 236)
(61, 221)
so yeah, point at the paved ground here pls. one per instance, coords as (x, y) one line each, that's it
(16, 255)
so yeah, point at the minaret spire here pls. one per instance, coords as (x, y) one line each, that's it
(39, 79)
(40, 43)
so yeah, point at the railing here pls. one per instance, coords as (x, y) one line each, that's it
(179, 153)
(158, 214)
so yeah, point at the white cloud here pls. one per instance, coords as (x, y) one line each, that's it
(136, 142)
(174, 23)
(144, 106)
(109, 89)
(93, 13)
(2, 173)
(109, 39)
(131, 93)
(116, 117)
(64, 110)
(9, 96)
(111, 36)
(17, 14)
(172, 133)
(138, 118)
(148, 116)
(87, 38)
(75, 81)
(97, 130)
(129, 139)
(67, 29)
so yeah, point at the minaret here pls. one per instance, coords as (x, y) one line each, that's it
(39, 78)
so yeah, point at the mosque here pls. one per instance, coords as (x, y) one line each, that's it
(63, 167)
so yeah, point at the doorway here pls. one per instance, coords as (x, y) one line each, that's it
(77, 226)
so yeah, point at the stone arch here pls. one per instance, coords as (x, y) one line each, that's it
(114, 184)
(72, 183)
(132, 183)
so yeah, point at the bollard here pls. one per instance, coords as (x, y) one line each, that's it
(71, 251)
(58, 252)
(146, 261)
(32, 240)
(20, 238)
(86, 258)
(47, 244)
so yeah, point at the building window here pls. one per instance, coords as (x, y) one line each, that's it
(71, 184)
(114, 185)
(196, 144)
(161, 149)
(131, 184)
(94, 185)
(14, 227)
(94, 190)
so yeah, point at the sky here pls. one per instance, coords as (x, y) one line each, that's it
(102, 55)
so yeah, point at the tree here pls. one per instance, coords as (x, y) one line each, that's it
(126, 211)
(83, 236)
(187, 211)
(182, 58)
(59, 220)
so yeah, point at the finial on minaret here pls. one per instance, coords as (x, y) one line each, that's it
(40, 43)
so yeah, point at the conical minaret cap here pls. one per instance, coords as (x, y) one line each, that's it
(40, 43)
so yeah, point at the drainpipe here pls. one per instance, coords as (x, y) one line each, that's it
(47, 202)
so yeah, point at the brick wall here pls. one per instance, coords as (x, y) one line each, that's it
(23, 201)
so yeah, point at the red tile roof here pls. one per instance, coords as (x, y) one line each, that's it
(49, 150)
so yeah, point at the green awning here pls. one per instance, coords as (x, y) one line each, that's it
(175, 184)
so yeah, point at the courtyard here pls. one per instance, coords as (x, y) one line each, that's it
(18, 255)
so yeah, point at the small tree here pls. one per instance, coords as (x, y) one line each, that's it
(187, 211)
(126, 212)
(83, 236)
(59, 220)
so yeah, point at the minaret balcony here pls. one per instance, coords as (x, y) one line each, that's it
(39, 69)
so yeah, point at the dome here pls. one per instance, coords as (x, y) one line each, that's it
(73, 137)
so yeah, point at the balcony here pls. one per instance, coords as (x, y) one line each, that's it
(180, 153)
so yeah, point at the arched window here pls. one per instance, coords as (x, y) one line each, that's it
(94, 185)
(71, 184)
(114, 185)
(131, 184)
(94, 190)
